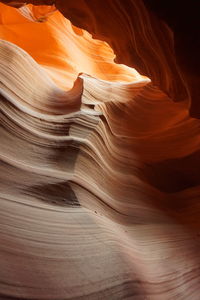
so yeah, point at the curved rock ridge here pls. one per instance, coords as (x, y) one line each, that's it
(99, 181)
(72, 50)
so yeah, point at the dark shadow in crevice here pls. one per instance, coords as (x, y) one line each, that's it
(174, 175)
(59, 193)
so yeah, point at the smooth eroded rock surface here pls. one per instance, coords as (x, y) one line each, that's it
(99, 170)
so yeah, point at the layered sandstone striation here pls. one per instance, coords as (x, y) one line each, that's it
(99, 181)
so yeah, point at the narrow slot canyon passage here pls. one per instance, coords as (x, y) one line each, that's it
(100, 152)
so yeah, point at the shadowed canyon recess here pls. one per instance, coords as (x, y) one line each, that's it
(100, 150)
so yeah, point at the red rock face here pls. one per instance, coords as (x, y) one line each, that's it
(99, 180)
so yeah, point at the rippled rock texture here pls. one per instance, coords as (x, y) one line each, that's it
(100, 154)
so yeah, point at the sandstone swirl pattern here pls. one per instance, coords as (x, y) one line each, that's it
(99, 181)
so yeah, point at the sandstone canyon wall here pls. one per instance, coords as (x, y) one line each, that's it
(100, 153)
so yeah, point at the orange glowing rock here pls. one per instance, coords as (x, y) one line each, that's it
(61, 48)
(98, 187)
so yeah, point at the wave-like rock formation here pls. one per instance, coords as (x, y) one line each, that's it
(99, 172)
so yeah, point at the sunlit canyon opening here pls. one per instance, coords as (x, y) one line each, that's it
(100, 150)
